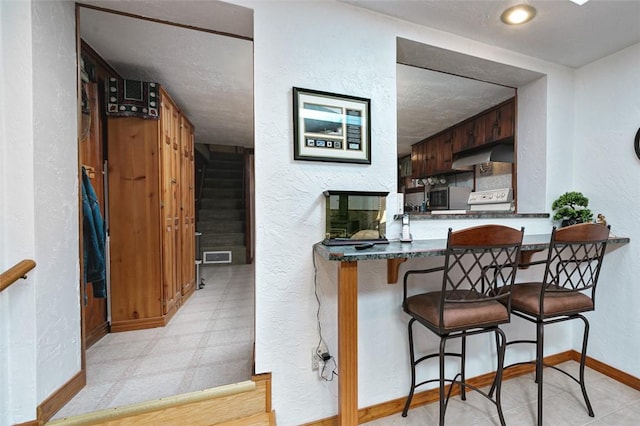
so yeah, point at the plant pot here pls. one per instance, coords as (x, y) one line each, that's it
(569, 222)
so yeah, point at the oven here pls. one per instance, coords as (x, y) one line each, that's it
(492, 200)
(450, 198)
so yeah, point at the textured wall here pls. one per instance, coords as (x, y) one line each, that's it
(41, 323)
(55, 194)
(337, 48)
(608, 172)
(17, 240)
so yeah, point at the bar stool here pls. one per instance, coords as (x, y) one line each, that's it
(567, 289)
(477, 262)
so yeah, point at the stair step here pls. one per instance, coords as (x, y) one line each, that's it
(222, 239)
(214, 226)
(222, 193)
(221, 214)
(223, 182)
(223, 203)
(225, 156)
(236, 173)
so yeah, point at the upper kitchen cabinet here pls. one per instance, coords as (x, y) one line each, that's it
(433, 155)
(499, 123)
(468, 134)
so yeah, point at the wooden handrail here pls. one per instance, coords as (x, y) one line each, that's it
(13, 274)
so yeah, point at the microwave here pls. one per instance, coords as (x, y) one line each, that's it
(450, 198)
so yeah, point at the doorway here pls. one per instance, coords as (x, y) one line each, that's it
(138, 48)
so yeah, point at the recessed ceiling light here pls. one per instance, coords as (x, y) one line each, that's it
(518, 14)
(580, 2)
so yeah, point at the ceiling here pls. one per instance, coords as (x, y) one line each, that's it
(210, 76)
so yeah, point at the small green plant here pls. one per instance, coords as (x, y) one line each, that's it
(571, 208)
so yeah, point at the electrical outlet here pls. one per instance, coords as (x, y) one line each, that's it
(321, 349)
(315, 359)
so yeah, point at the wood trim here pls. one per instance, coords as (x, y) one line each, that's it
(348, 342)
(607, 370)
(60, 397)
(139, 324)
(266, 378)
(29, 423)
(16, 272)
(393, 268)
(160, 21)
(216, 405)
(96, 334)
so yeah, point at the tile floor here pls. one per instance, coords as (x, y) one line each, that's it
(208, 343)
(614, 404)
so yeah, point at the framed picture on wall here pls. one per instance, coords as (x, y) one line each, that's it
(331, 127)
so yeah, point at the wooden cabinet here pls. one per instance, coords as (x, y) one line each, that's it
(499, 123)
(149, 190)
(187, 208)
(467, 135)
(434, 155)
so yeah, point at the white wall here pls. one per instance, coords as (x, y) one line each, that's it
(325, 46)
(17, 304)
(607, 172)
(40, 337)
(337, 48)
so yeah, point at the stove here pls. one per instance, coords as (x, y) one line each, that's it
(491, 200)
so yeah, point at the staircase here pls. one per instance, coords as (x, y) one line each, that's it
(221, 217)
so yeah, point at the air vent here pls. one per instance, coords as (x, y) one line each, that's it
(216, 257)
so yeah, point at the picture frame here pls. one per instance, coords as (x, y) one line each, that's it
(331, 127)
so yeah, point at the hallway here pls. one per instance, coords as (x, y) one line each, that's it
(208, 343)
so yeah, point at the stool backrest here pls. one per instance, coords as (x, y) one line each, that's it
(575, 258)
(479, 261)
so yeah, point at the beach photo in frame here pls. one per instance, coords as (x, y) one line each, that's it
(331, 127)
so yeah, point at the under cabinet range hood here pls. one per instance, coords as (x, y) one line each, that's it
(500, 153)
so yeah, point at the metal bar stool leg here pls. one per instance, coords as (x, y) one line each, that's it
(583, 358)
(413, 369)
(501, 340)
(443, 406)
(493, 385)
(463, 356)
(539, 365)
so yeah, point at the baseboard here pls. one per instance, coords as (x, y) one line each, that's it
(395, 406)
(139, 324)
(96, 334)
(617, 375)
(60, 397)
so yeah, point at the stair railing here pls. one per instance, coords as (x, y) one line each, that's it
(16, 272)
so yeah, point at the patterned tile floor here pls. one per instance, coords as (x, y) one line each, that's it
(208, 343)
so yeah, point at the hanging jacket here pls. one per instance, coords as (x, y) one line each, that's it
(94, 239)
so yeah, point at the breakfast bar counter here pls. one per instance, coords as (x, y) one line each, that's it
(394, 253)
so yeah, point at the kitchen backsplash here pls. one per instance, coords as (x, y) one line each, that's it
(493, 176)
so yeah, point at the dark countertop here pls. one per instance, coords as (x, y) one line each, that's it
(485, 214)
(423, 248)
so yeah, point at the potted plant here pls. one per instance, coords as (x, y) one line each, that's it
(571, 208)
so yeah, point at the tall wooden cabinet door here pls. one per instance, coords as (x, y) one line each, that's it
(187, 208)
(169, 205)
(135, 223)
